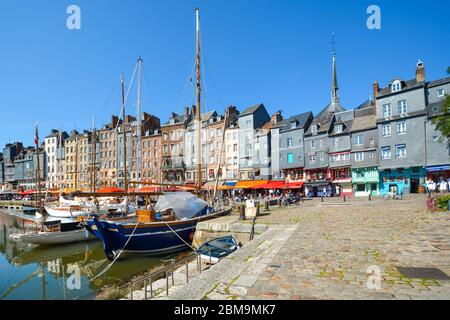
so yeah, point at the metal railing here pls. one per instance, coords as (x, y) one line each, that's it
(168, 272)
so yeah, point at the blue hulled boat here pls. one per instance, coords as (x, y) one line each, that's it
(167, 229)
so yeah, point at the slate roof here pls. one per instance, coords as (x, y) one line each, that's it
(438, 82)
(301, 119)
(406, 85)
(364, 123)
(251, 110)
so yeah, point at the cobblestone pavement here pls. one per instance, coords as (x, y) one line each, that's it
(328, 255)
(323, 251)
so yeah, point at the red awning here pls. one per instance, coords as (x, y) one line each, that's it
(110, 190)
(294, 185)
(270, 185)
(27, 192)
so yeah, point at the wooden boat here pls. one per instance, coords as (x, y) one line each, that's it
(66, 212)
(217, 249)
(170, 229)
(55, 232)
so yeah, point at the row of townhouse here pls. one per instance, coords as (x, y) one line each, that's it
(386, 143)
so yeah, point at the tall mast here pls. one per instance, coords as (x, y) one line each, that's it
(38, 170)
(199, 122)
(93, 155)
(124, 137)
(76, 162)
(139, 129)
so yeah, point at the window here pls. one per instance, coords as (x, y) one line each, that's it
(385, 153)
(313, 144)
(372, 142)
(396, 86)
(358, 140)
(336, 142)
(387, 112)
(290, 157)
(339, 128)
(440, 93)
(370, 154)
(386, 130)
(321, 157)
(289, 142)
(401, 127)
(314, 129)
(312, 159)
(359, 156)
(293, 125)
(321, 143)
(402, 107)
(400, 151)
(435, 138)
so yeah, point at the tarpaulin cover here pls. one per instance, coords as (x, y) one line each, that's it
(184, 204)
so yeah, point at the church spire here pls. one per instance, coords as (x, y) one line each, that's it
(334, 86)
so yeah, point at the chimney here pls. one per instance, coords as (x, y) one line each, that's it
(276, 117)
(193, 111)
(420, 71)
(376, 89)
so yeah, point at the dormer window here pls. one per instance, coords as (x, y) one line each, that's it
(396, 86)
(314, 129)
(339, 128)
(293, 125)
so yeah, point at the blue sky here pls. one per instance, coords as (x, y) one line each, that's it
(275, 52)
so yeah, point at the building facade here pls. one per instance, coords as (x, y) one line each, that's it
(291, 154)
(401, 119)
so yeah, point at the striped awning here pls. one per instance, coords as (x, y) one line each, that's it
(438, 168)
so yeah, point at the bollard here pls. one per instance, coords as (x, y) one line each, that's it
(345, 198)
(370, 197)
(241, 212)
(257, 208)
(321, 198)
(266, 206)
(279, 202)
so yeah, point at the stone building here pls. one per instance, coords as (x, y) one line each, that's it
(291, 154)
(53, 144)
(254, 156)
(364, 151)
(151, 156)
(317, 171)
(401, 120)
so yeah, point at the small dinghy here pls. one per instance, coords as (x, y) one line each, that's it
(55, 232)
(217, 249)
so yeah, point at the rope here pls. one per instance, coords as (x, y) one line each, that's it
(179, 236)
(117, 257)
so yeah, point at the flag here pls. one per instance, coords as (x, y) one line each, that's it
(36, 137)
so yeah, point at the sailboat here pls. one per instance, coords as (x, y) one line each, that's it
(170, 225)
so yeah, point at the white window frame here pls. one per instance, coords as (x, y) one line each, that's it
(338, 128)
(387, 155)
(359, 156)
(397, 148)
(313, 144)
(400, 126)
(358, 140)
(387, 107)
(439, 94)
(383, 127)
(402, 106)
(396, 86)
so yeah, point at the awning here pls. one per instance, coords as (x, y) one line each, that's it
(270, 185)
(347, 180)
(110, 190)
(230, 183)
(250, 184)
(294, 185)
(211, 184)
(438, 168)
(317, 183)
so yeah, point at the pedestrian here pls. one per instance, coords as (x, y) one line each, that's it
(307, 192)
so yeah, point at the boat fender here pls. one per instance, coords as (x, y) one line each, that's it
(191, 236)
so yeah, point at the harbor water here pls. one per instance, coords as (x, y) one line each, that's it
(63, 272)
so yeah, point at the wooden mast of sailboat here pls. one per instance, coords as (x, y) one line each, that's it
(139, 128)
(38, 171)
(199, 122)
(76, 162)
(124, 126)
(93, 156)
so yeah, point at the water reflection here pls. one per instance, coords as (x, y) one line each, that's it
(58, 272)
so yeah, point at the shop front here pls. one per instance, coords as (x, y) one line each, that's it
(365, 182)
(318, 183)
(402, 180)
(342, 181)
(438, 173)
